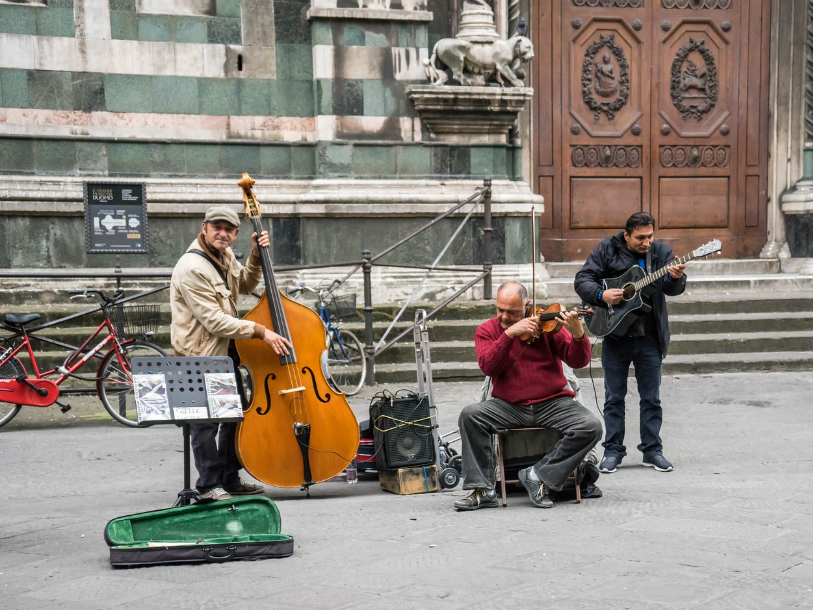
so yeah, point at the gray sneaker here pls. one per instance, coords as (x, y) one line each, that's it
(537, 490)
(478, 498)
(610, 463)
(658, 462)
(218, 493)
(246, 489)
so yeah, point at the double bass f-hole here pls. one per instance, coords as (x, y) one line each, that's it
(307, 369)
(260, 410)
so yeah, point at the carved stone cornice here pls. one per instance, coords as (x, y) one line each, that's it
(469, 114)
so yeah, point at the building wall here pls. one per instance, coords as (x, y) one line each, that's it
(294, 92)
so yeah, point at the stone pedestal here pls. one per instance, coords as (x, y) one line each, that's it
(469, 114)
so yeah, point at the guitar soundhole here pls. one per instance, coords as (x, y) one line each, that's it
(629, 292)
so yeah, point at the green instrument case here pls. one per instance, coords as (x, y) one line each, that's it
(227, 530)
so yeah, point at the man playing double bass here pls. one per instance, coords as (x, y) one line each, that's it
(529, 390)
(204, 287)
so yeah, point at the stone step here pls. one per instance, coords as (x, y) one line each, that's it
(405, 375)
(710, 285)
(712, 343)
(707, 266)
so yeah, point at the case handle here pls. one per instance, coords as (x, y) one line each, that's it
(220, 558)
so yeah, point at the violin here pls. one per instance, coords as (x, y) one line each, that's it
(549, 321)
(298, 430)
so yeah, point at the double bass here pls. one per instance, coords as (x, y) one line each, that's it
(298, 430)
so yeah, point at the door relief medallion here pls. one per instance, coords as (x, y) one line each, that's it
(599, 77)
(694, 87)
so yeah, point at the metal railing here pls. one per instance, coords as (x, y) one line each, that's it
(481, 195)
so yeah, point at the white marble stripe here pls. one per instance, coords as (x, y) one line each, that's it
(154, 125)
(92, 18)
(134, 57)
(176, 7)
(369, 62)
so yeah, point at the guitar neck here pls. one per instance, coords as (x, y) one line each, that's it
(656, 275)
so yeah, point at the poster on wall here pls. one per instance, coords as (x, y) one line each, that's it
(115, 217)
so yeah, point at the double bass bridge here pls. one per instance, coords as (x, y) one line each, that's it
(292, 390)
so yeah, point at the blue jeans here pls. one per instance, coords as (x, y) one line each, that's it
(616, 356)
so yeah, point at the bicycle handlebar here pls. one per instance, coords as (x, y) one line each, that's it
(323, 293)
(85, 294)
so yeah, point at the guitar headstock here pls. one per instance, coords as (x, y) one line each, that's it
(252, 205)
(715, 245)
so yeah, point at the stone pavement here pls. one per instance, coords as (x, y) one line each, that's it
(730, 528)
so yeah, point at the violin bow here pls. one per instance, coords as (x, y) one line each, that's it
(533, 261)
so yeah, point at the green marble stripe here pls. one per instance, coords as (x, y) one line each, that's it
(87, 91)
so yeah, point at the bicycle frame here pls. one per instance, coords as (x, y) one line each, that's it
(70, 367)
(332, 329)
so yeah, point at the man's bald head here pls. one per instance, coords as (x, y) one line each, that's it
(511, 289)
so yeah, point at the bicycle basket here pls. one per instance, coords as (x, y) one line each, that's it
(343, 306)
(135, 320)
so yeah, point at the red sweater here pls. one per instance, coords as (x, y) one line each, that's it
(524, 374)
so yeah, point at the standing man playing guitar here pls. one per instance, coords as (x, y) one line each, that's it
(643, 340)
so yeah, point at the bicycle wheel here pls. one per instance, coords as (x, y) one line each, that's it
(115, 385)
(345, 361)
(10, 369)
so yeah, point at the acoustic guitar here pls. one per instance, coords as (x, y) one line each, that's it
(636, 283)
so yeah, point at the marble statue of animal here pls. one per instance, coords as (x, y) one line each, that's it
(499, 59)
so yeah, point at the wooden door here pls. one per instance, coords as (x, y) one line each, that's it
(656, 106)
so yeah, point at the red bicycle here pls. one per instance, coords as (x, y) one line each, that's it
(113, 381)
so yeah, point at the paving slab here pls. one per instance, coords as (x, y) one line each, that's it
(730, 528)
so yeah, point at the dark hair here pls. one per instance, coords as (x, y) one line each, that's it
(639, 219)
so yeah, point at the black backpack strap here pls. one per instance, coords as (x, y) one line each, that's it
(202, 254)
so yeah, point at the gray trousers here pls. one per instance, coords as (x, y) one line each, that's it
(580, 429)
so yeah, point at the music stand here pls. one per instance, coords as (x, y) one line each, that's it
(182, 390)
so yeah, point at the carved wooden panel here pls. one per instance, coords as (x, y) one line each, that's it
(697, 96)
(603, 203)
(694, 156)
(605, 98)
(610, 3)
(697, 4)
(657, 105)
(693, 203)
(546, 190)
(605, 156)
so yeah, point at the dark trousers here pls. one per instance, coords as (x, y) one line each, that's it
(644, 353)
(215, 455)
(580, 429)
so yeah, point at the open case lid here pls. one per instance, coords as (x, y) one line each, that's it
(250, 519)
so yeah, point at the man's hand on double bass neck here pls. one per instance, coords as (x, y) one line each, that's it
(277, 342)
(264, 241)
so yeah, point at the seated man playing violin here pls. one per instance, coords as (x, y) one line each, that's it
(529, 390)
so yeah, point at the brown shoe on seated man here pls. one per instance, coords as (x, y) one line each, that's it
(529, 390)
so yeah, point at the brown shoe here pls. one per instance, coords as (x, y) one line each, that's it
(218, 493)
(246, 489)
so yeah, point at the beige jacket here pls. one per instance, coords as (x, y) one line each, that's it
(204, 315)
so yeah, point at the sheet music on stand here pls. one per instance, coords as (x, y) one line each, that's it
(184, 390)
(176, 389)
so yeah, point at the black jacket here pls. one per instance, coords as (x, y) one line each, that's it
(612, 258)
